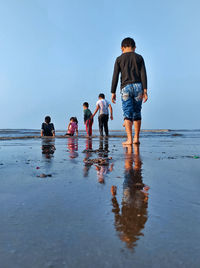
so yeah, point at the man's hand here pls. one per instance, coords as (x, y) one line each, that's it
(145, 96)
(111, 117)
(113, 98)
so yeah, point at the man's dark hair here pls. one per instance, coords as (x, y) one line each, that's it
(71, 118)
(128, 42)
(47, 119)
(86, 104)
(101, 95)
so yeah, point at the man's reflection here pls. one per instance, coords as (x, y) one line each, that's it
(130, 221)
(88, 152)
(72, 144)
(48, 147)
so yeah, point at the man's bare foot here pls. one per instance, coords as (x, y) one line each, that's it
(127, 142)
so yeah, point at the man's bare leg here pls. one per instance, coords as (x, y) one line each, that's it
(128, 126)
(137, 125)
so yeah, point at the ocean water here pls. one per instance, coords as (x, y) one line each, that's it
(28, 133)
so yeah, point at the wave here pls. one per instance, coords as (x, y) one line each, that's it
(14, 134)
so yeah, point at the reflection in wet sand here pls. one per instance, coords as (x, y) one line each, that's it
(72, 144)
(48, 148)
(103, 147)
(102, 165)
(103, 170)
(130, 221)
(88, 149)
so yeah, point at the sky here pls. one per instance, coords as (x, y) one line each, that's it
(55, 55)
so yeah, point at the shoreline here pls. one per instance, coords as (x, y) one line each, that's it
(59, 137)
(18, 134)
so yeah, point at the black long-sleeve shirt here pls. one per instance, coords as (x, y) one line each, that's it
(132, 68)
(48, 129)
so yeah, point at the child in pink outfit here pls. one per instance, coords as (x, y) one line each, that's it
(72, 127)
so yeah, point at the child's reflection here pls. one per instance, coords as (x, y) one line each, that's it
(48, 148)
(72, 144)
(103, 146)
(133, 216)
(103, 170)
(88, 147)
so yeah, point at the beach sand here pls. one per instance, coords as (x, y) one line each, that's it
(57, 209)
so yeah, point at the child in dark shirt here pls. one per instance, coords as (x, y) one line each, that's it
(47, 128)
(88, 121)
(133, 87)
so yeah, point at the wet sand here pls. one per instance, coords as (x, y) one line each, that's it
(57, 209)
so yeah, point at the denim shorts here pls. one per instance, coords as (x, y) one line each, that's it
(131, 96)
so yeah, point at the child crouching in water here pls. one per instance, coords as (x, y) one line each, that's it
(72, 127)
(47, 128)
(88, 121)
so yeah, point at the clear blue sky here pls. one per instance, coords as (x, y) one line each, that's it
(57, 54)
